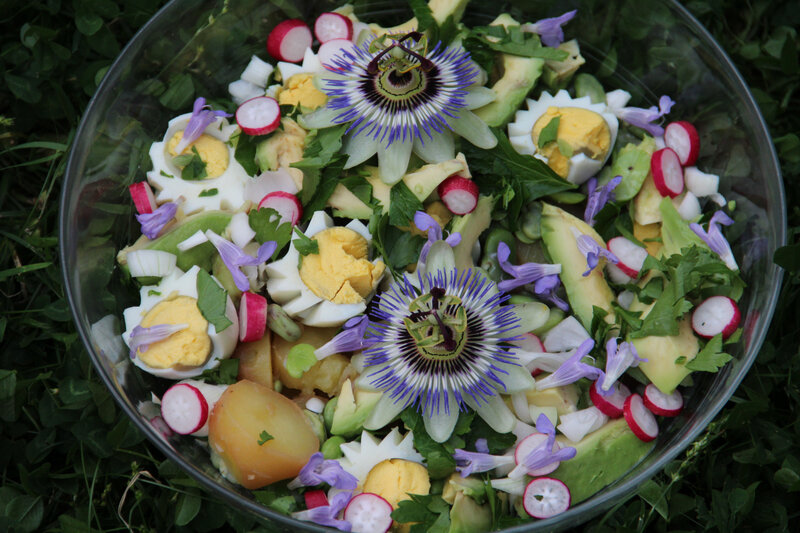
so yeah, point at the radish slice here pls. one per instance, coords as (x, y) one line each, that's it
(631, 255)
(368, 513)
(667, 172)
(279, 180)
(577, 425)
(526, 446)
(146, 263)
(287, 205)
(315, 405)
(289, 40)
(531, 343)
(315, 498)
(616, 275)
(184, 408)
(662, 404)
(613, 404)
(335, 48)
(259, 115)
(682, 137)
(717, 314)
(329, 26)
(545, 497)
(640, 419)
(459, 194)
(252, 317)
(689, 206)
(143, 198)
(257, 72)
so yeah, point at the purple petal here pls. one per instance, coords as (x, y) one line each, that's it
(319, 470)
(234, 257)
(350, 339)
(572, 369)
(715, 239)
(475, 462)
(592, 251)
(544, 425)
(153, 223)
(202, 117)
(482, 445)
(545, 288)
(549, 29)
(618, 360)
(326, 515)
(642, 118)
(523, 274)
(598, 198)
(425, 222)
(141, 338)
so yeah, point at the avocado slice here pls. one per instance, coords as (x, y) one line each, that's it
(470, 485)
(557, 74)
(646, 202)
(603, 457)
(352, 408)
(584, 292)
(283, 147)
(518, 76)
(470, 226)
(564, 399)
(467, 516)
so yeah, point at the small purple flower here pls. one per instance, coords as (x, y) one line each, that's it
(618, 360)
(599, 197)
(326, 515)
(234, 257)
(482, 445)
(545, 288)
(572, 369)
(475, 462)
(141, 338)
(425, 222)
(202, 117)
(153, 223)
(319, 470)
(714, 238)
(591, 251)
(350, 339)
(643, 118)
(543, 455)
(522, 274)
(550, 29)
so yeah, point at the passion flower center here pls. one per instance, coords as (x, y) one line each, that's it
(438, 325)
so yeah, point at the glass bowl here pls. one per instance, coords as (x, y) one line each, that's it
(193, 48)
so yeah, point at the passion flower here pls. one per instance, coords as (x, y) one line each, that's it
(397, 96)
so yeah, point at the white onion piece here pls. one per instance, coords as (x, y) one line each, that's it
(617, 99)
(566, 335)
(511, 486)
(689, 207)
(257, 72)
(146, 263)
(700, 183)
(239, 230)
(577, 425)
(267, 182)
(315, 405)
(190, 242)
(242, 91)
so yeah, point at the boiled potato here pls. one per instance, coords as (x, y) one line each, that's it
(255, 361)
(245, 410)
(326, 375)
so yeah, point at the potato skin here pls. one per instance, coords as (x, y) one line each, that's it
(245, 410)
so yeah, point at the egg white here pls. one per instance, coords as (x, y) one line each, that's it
(286, 287)
(182, 284)
(581, 167)
(166, 177)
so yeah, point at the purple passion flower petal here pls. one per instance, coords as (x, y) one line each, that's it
(643, 118)
(319, 470)
(618, 360)
(476, 462)
(715, 239)
(591, 251)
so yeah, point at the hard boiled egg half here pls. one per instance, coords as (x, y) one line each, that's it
(223, 187)
(298, 86)
(188, 352)
(326, 288)
(583, 141)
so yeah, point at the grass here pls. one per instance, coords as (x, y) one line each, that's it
(71, 461)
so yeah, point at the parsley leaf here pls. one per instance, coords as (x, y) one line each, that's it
(227, 373)
(512, 40)
(208, 192)
(329, 179)
(321, 149)
(266, 223)
(429, 513)
(245, 152)
(193, 167)
(277, 497)
(423, 13)
(300, 359)
(438, 456)
(402, 205)
(264, 437)
(550, 132)
(711, 358)
(305, 245)
(212, 301)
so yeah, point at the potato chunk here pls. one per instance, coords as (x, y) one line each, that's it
(326, 375)
(255, 361)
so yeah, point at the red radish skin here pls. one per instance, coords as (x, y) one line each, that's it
(682, 137)
(288, 41)
(545, 497)
(527, 445)
(667, 172)
(717, 314)
(459, 194)
(252, 317)
(315, 498)
(631, 256)
(369, 513)
(532, 343)
(287, 205)
(661, 404)
(184, 408)
(143, 198)
(612, 406)
(259, 115)
(335, 48)
(329, 26)
(640, 419)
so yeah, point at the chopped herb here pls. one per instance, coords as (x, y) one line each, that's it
(511, 40)
(428, 513)
(549, 133)
(266, 223)
(321, 149)
(264, 437)
(303, 244)
(227, 373)
(300, 359)
(194, 168)
(711, 358)
(212, 301)
(166, 175)
(208, 192)
(153, 292)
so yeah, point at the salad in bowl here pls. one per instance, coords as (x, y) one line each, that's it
(432, 275)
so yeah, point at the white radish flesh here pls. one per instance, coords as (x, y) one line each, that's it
(252, 317)
(662, 404)
(631, 256)
(689, 207)
(525, 447)
(242, 91)
(545, 497)
(616, 275)
(577, 425)
(368, 513)
(700, 183)
(667, 172)
(257, 72)
(315, 405)
(289, 40)
(459, 194)
(287, 205)
(717, 314)
(329, 26)
(269, 181)
(155, 263)
(682, 138)
(640, 419)
(184, 409)
(335, 49)
(613, 404)
(143, 198)
(259, 115)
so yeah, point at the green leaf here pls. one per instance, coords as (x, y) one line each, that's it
(549, 132)
(212, 301)
(321, 149)
(266, 223)
(788, 257)
(23, 88)
(26, 512)
(208, 192)
(227, 373)
(300, 359)
(405, 247)
(711, 358)
(264, 437)
(179, 93)
(565, 148)
(654, 494)
(423, 13)
(192, 166)
(187, 509)
(303, 244)
(88, 23)
(245, 152)
(402, 205)
(277, 497)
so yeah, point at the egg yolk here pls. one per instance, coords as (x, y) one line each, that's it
(341, 271)
(300, 90)
(395, 479)
(189, 347)
(583, 130)
(213, 152)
